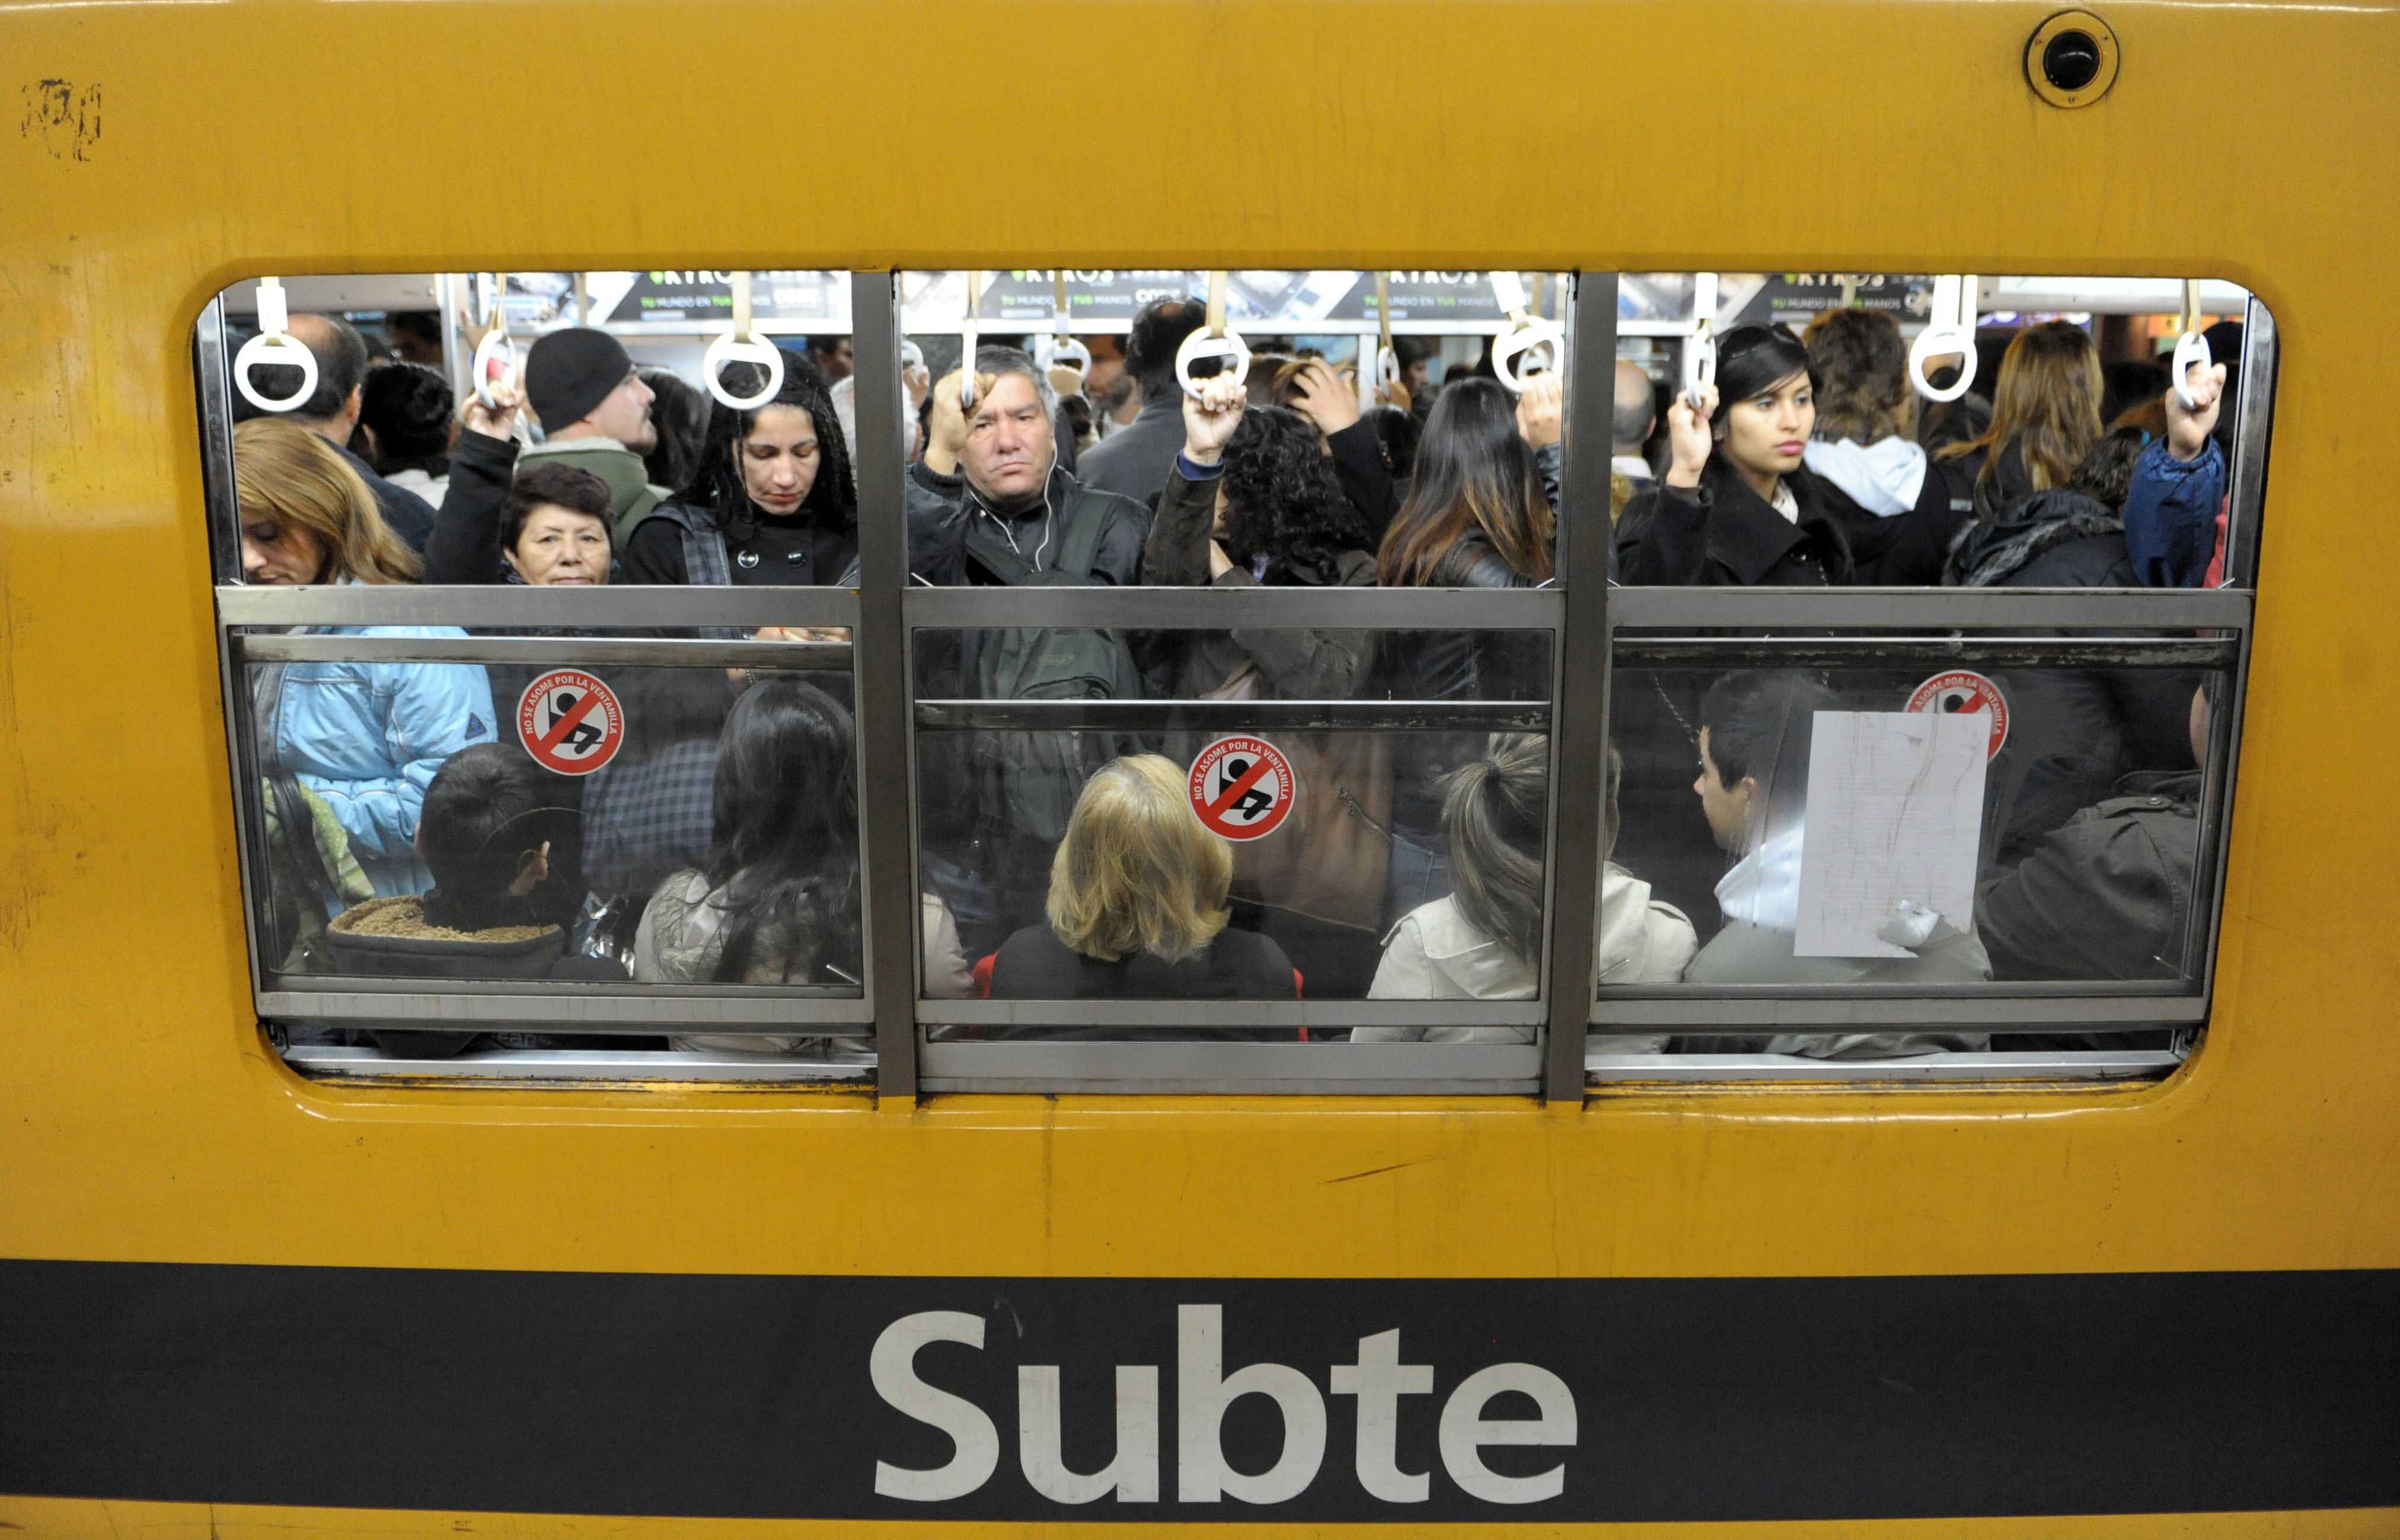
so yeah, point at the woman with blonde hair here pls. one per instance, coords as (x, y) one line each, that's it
(366, 738)
(2045, 418)
(1137, 903)
(1484, 941)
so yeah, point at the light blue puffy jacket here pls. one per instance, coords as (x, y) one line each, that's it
(368, 736)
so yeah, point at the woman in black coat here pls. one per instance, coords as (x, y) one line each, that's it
(1738, 507)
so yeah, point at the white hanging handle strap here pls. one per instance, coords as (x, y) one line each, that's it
(495, 368)
(2192, 349)
(1216, 340)
(1388, 357)
(1949, 328)
(1515, 357)
(275, 345)
(742, 345)
(968, 340)
(1700, 348)
(1059, 349)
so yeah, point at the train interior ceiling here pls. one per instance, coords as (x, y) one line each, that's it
(1902, 860)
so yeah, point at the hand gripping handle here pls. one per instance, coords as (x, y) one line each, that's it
(1200, 344)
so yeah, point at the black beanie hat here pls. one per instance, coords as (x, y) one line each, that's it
(569, 373)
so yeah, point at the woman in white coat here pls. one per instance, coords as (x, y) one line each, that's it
(1484, 941)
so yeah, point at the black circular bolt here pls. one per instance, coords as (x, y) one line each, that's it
(2071, 61)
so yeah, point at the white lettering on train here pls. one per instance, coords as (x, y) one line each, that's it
(1203, 1394)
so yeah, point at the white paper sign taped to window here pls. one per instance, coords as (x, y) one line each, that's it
(1895, 815)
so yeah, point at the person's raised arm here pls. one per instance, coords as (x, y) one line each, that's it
(945, 435)
(1181, 549)
(465, 545)
(1687, 435)
(2177, 491)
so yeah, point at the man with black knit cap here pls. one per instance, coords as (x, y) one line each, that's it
(595, 416)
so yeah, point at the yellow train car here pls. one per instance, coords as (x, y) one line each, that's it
(1024, 1264)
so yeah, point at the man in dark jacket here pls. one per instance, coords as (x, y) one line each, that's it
(333, 414)
(2109, 895)
(989, 504)
(1133, 462)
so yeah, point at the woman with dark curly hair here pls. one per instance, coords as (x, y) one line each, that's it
(1253, 501)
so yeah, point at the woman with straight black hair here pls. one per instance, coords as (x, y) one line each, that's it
(1479, 515)
(771, 502)
(1739, 505)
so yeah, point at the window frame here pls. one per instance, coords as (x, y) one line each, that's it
(1587, 624)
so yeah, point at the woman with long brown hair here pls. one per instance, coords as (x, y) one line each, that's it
(364, 738)
(2045, 418)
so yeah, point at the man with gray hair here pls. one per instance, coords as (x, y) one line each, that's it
(331, 413)
(989, 503)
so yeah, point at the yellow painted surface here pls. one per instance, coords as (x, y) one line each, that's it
(143, 1118)
(64, 1519)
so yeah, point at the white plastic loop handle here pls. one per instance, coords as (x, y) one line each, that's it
(495, 367)
(967, 340)
(1536, 346)
(1700, 348)
(742, 346)
(1387, 366)
(274, 345)
(2191, 348)
(1200, 344)
(912, 356)
(1388, 357)
(1051, 352)
(1950, 328)
(729, 348)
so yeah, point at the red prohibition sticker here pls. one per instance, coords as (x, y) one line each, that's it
(570, 722)
(1962, 692)
(1242, 787)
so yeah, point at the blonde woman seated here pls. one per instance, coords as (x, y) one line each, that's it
(1484, 941)
(1137, 904)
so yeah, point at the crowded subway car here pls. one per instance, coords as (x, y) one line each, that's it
(1671, 881)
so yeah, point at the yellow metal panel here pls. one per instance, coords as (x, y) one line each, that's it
(185, 145)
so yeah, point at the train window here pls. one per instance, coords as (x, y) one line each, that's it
(1245, 680)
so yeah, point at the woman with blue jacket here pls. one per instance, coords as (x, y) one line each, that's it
(364, 738)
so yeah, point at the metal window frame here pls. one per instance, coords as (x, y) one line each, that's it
(1592, 627)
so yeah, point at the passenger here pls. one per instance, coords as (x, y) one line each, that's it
(832, 357)
(1484, 941)
(1253, 501)
(1115, 395)
(1479, 515)
(770, 502)
(415, 336)
(366, 738)
(2072, 733)
(1137, 904)
(2045, 417)
(1311, 388)
(331, 413)
(1398, 433)
(497, 909)
(1634, 417)
(989, 504)
(535, 528)
(679, 417)
(777, 899)
(2174, 510)
(404, 411)
(1897, 509)
(1134, 461)
(596, 414)
(1413, 395)
(1755, 730)
(1739, 505)
(2108, 894)
(2128, 385)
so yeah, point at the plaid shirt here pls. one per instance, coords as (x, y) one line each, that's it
(645, 819)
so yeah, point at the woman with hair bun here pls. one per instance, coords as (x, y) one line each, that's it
(1739, 505)
(1896, 507)
(1484, 941)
